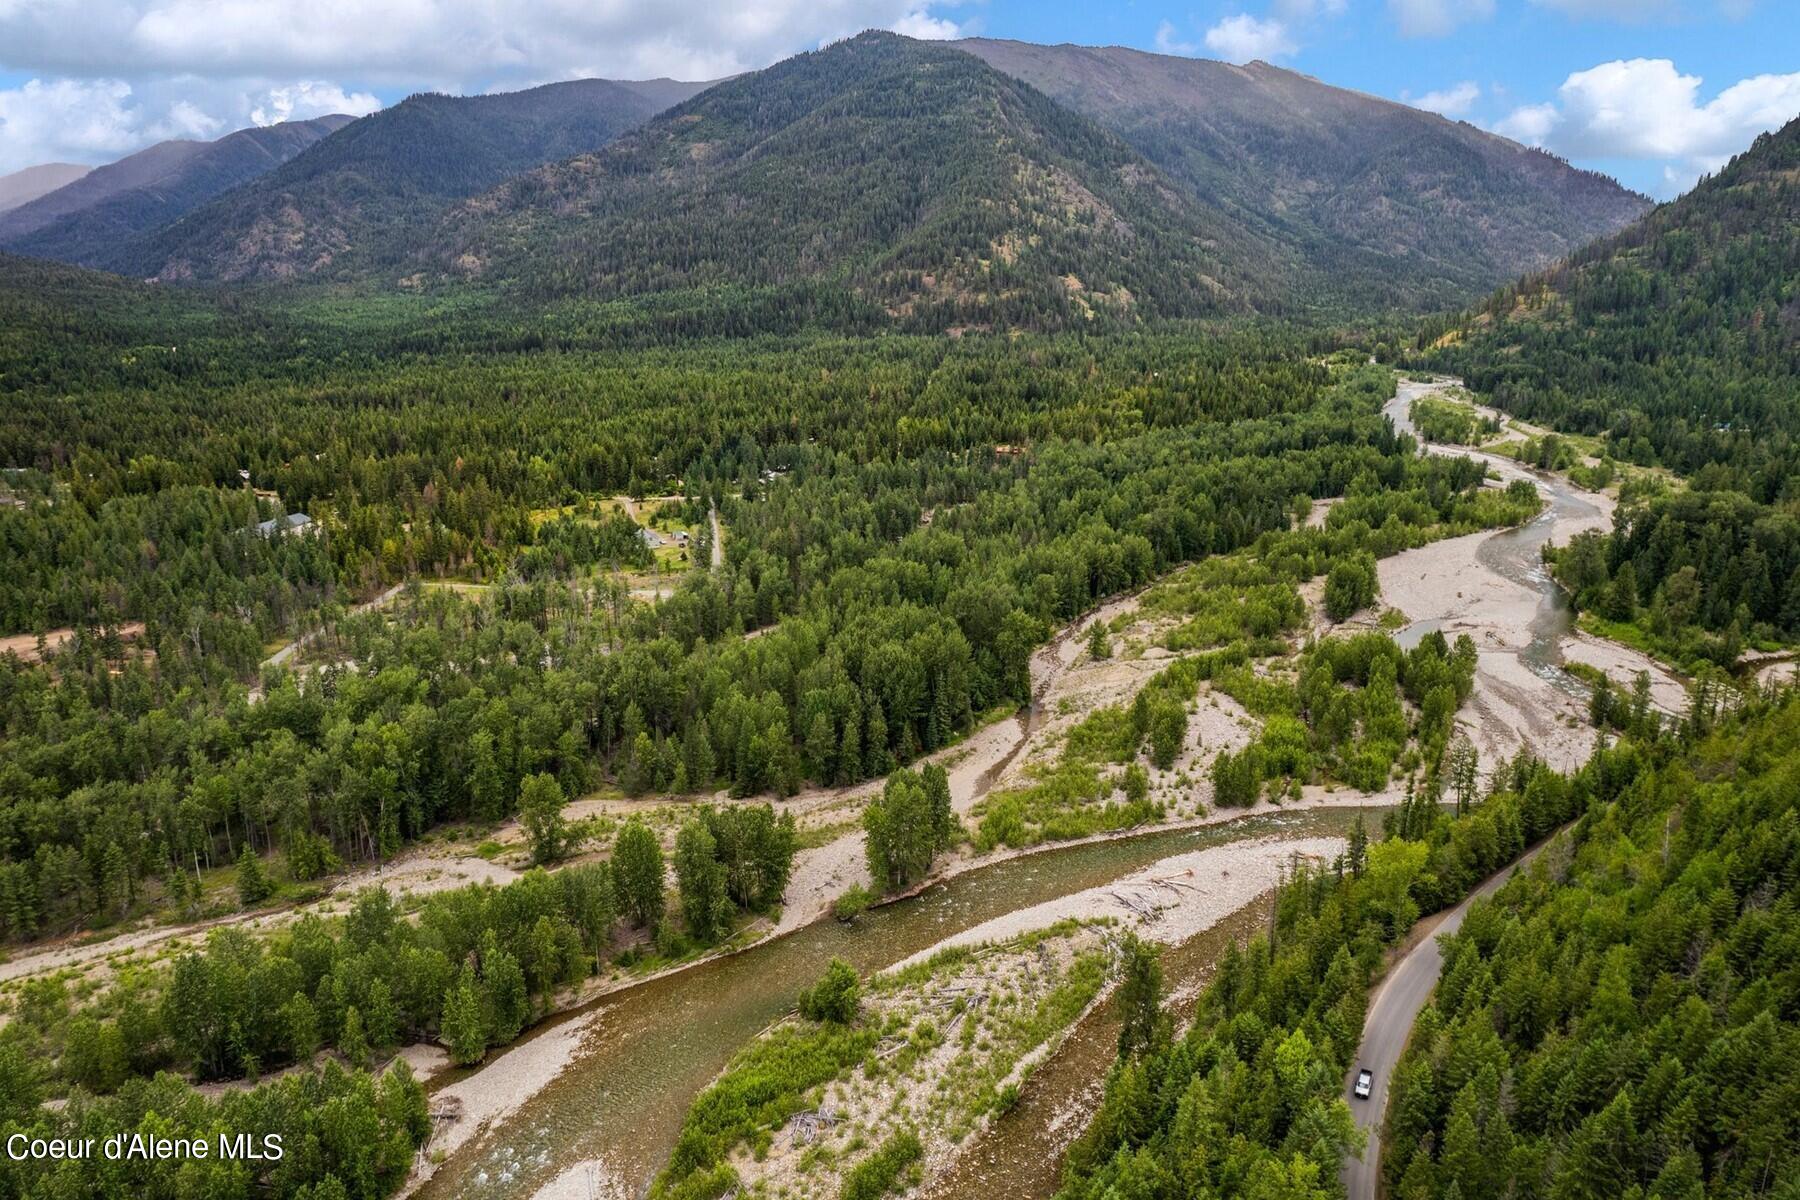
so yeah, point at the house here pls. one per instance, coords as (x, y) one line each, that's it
(292, 523)
(681, 537)
(652, 539)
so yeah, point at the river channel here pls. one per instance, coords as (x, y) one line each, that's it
(645, 1053)
(1516, 554)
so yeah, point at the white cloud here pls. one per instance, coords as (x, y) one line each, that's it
(1452, 101)
(461, 44)
(1169, 41)
(1644, 109)
(227, 63)
(310, 98)
(1244, 37)
(1530, 123)
(95, 120)
(926, 28)
(99, 120)
(1437, 18)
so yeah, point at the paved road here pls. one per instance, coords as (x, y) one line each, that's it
(1396, 1005)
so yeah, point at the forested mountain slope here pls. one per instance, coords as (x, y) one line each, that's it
(1385, 205)
(88, 220)
(1619, 1024)
(385, 174)
(878, 176)
(1628, 1026)
(1679, 338)
(24, 186)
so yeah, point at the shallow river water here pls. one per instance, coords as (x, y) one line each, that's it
(651, 1049)
(1517, 554)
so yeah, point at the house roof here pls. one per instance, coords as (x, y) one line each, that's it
(292, 521)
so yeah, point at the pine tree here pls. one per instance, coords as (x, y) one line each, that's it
(821, 747)
(850, 757)
(115, 879)
(253, 884)
(382, 1019)
(508, 1001)
(300, 1027)
(697, 755)
(1143, 1027)
(877, 759)
(543, 952)
(937, 796)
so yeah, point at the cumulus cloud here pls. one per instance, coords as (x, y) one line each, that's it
(462, 44)
(1529, 123)
(1437, 18)
(310, 98)
(114, 75)
(92, 120)
(1243, 37)
(99, 120)
(1645, 109)
(1452, 101)
(1170, 41)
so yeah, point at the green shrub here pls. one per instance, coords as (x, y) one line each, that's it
(879, 1174)
(835, 997)
(853, 903)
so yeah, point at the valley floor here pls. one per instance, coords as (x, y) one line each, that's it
(1488, 585)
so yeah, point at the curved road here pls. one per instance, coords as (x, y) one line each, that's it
(1392, 1011)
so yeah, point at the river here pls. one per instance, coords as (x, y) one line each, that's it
(648, 1051)
(1516, 554)
(643, 1054)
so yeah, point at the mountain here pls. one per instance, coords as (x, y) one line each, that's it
(1387, 206)
(365, 185)
(876, 175)
(1677, 338)
(87, 221)
(22, 187)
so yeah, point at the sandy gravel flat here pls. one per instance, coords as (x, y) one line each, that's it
(1447, 584)
(504, 1083)
(1168, 901)
(1779, 673)
(1622, 663)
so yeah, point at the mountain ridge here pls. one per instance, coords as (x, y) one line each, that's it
(1678, 337)
(81, 222)
(911, 176)
(344, 197)
(1366, 190)
(28, 183)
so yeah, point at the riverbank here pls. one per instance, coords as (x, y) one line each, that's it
(1217, 882)
(1496, 588)
(970, 1018)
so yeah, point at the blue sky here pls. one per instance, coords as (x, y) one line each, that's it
(1651, 91)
